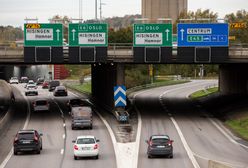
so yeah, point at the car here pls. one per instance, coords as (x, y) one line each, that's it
(27, 140)
(160, 145)
(76, 102)
(41, 105)
(45, 84)
(86, 146)
(60, 91)
(30, 82)
(13, 80)
(40, 81)
(81, 117)
(24, 79)
(52, 85)
(31, 90)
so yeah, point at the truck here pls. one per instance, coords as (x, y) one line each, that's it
(81, 117)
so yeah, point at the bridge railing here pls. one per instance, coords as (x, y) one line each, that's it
(120, 51)
(238, 51)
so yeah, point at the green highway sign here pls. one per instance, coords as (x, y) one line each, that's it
(88, 34)
(159, 35)
(36, 34)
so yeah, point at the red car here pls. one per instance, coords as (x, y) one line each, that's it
(45, 85)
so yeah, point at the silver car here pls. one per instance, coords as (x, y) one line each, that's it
(41, 105)
(31, 90)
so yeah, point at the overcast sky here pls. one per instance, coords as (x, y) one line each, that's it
(13, 12)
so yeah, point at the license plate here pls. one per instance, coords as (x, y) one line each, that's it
(86, 148)
(26, 142)
(161, 146)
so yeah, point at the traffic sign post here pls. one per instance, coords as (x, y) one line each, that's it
(202, 43)
(88, 34)
(155, 35)
(43, 35)
(152, 38)
(120, 96)
(211, 35)
(43, 43)
(88, 42)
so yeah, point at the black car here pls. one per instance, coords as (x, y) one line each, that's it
(60, 91)
(52, 85)
(24, 79)
(27, 140)
(160, 145)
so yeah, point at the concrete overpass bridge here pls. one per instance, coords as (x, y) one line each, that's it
(109, 70)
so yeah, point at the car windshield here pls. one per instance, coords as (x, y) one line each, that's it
(26, 135)
(14, 78)
(41, 102)
(86, 141)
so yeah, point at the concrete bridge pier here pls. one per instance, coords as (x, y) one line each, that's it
(104, 78)
(233, 78)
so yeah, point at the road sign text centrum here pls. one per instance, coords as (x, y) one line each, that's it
(88, 34)
(152, 35)
(43, 34)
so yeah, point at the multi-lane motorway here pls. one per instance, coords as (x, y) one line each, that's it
(58, 135)
(198, 138)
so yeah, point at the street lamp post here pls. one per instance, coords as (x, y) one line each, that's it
(101, 9)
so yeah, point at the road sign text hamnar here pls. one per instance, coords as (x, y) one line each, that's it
(43, 35)
(88, 34)
(159, 35)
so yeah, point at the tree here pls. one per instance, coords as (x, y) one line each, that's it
(242, 33)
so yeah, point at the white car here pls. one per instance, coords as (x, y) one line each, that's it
(13, 80)
(31, 90)
(86, 146)
(41, 105)
(30, 82)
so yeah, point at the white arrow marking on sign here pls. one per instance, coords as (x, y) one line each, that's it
(73, 34)
(58, 31)
(182, 31)
(120, 90)
(167, 34)
(120, 99)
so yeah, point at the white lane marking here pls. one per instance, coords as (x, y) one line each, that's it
(64, 125)
(5, 161)
(126, 153)
(62, 151)
(225, 134)
(185, 144)
(137, 141)
(221, 162)
(63, 136)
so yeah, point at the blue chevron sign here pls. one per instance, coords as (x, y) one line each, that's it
(120, 96)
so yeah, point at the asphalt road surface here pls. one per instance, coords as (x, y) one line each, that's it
(57, 140)
(160, 106)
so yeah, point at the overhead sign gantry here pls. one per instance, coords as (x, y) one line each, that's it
(43, 43)
(152, 42)
(202, 42)
(88, 42)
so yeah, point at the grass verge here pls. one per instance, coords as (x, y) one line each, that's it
(239, 126)
(84, 88)
(203, 93)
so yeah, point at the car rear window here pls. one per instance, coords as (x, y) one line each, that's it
(26, 135)
(86, 141)
(41, 102)
(160, 140)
